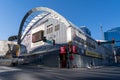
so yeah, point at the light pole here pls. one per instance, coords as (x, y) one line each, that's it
(68, 53)
(114, 53)
(68, 60)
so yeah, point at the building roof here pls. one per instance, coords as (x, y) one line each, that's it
(116, 29)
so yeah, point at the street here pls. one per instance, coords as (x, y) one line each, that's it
(29, 73)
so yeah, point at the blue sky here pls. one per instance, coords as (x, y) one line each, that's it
(89, 13)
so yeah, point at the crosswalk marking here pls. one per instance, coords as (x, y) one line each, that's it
(7, 69)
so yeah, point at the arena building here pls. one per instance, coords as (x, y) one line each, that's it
(42, 22)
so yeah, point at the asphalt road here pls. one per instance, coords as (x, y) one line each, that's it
(32, 73)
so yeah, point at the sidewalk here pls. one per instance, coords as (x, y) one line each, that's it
(33, 66)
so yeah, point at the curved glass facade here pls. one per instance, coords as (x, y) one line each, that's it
(113, 34)
(86, 30)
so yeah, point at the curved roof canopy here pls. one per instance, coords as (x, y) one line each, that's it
(32, 17)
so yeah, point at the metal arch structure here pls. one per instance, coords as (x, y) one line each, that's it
(44, 9)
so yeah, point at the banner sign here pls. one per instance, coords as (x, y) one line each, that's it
(93, 54)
